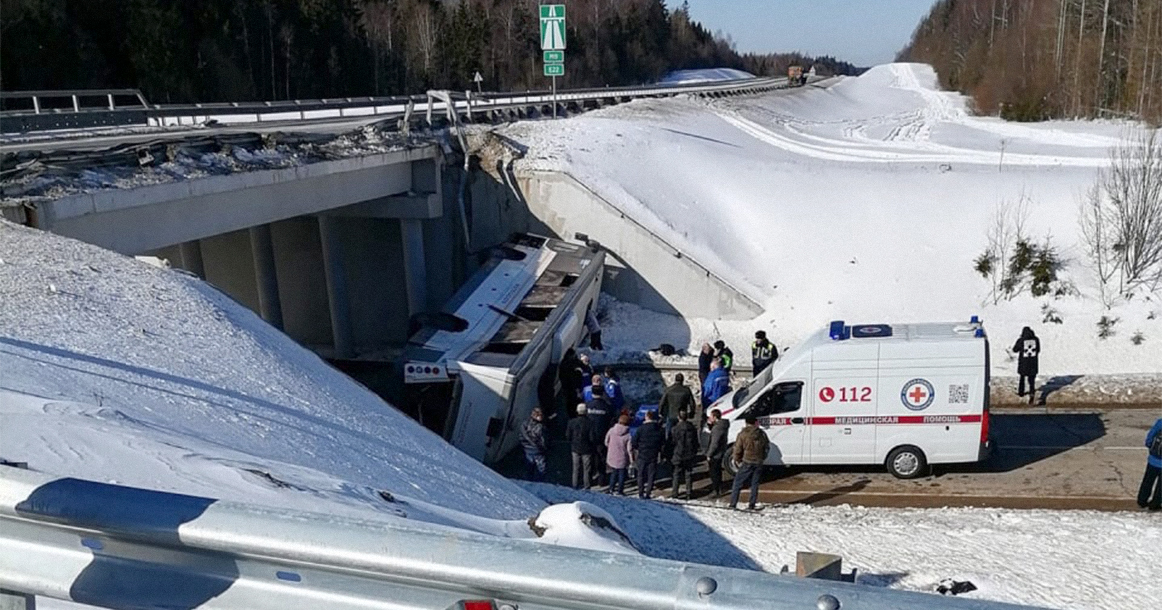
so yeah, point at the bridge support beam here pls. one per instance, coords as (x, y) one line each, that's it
(415, 266)
(191, 253)
(338, 298)
(266, 275)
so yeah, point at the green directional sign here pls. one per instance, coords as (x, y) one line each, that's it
(552, 27)
(554, 69)
(554, 57)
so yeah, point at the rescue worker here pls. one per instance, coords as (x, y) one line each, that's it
(595, 381)
(647, 447)
(617, 451)
(717, 384)
(1152, 481)
(569, 374)
(1028, 350)
(583, 444)
(675, 399)
(685, 443)
(613, 390)
(532, 440)
(600, 413)
(594, 328)
(704, 358)
(724, 355)
(716, 450)
(763, 353)
(750, 452)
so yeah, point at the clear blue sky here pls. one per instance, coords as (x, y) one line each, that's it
(864, 32)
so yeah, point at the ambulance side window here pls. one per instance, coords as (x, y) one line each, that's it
(783, 398)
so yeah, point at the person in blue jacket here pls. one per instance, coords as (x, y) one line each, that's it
(613, 391)
(1152, 481)
(717, 384)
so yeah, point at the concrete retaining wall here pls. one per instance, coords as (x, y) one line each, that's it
(642, 267)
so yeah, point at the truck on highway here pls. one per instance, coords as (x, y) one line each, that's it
(902, 395)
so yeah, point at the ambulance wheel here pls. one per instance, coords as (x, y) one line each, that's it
(728, 461)
(907, 462)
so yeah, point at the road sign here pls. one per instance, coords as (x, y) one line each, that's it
(479, 78)
(552, 27)
(554, 57)
(554, 69)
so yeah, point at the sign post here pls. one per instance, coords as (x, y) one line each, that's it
(479, 78)
(553, 44)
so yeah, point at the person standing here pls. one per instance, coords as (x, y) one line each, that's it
(594, 328)
(716, 450)
(716, 386)
(1028, 349)
(685, 442)
(704, 358)
(532, 440)
(582, 443)
(595, 381)
(1152, 481)
(647, 447)
(617, 450)
(763, 353)
(675, 399)
(613, 390)
(750, 451)
(600, 413)
(724, 355)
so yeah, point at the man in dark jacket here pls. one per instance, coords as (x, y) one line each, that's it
(1153, 478)
(750, 452)
(685, 441)
(1028, 349)
(704, 358)
(675, 399)
(724, 355)
(762, 352)
(583, 444)
(647, 447)
(601, 415)
(532, 440)
(716, 450)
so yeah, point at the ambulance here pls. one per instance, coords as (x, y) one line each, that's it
(902, 395)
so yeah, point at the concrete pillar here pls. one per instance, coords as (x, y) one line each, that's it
(10, 600)
(191, 252)
(337, 297)
(265, 274)
(415, 268)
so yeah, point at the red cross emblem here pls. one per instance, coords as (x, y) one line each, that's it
(917, 394)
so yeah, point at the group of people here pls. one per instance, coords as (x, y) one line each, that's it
(605, 452)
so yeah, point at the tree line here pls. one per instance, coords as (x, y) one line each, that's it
(1039, 59)
(242, 50)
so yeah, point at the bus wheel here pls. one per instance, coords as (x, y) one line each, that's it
(907, 462)
(728, 461)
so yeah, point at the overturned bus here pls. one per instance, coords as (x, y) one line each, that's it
(475, 371)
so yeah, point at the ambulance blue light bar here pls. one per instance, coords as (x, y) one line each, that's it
(840, 331)
(974, 320)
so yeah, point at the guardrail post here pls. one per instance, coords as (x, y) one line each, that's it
(36, 104)
(111, 105)
(76, 104)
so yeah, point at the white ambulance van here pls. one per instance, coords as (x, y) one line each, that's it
(902, 395)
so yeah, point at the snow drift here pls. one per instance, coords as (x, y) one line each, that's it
(867, 201)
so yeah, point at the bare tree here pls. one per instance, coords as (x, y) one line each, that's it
(1121, 220)
(1008, 228)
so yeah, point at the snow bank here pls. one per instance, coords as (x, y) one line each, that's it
(115, 370)
(866, 201)
(1079, 560)
(706, 75)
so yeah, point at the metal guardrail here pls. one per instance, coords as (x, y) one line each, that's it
(162, 115)
(121, 547)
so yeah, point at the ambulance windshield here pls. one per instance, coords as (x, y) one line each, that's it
(756, 385)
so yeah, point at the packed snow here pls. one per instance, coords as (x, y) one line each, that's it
(118, 371)
(1078, 560)
(704, 75)
(867, 200)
